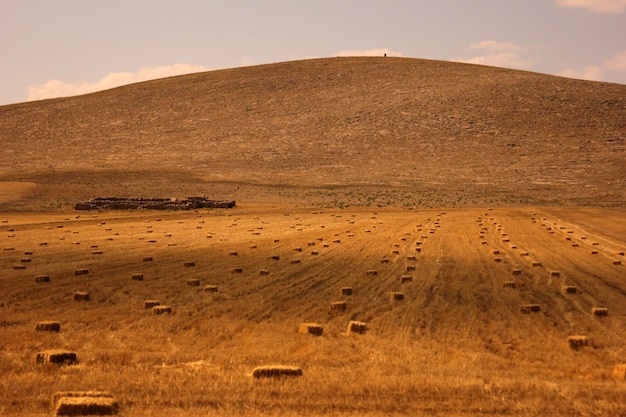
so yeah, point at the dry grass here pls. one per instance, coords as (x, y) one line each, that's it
(456, 344)
(348, 155)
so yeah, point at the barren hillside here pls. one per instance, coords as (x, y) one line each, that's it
(328, 132)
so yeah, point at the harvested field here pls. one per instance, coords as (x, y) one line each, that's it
(459, 304)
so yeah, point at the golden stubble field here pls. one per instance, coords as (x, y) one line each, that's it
(457, 344)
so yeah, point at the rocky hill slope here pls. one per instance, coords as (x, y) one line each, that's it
(354, 131)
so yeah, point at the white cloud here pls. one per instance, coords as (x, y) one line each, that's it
(591, 73)
(56, 88)
(597, 6)
(499, 54)
(370, 52)
(617, 62)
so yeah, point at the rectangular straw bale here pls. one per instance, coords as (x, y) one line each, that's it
(81, 296)
(236, 270)
(276, 371)
(86, 405)
(410, 268)
(577, 342)
(311, 328)
(600, 311)
(81, 271)
(568, 289)
(509, 284)
(516, 272)
(56, 357)
(211, 288)
(151, 303)
(371, 273)
(346, 291)
(42, 278)
(193, 282)
(406, 278)
(48, 326)
(530, 308)
(358, 327)
(189, 264)
(136, 277)
(396, 296)
(338, 306)
(156, 310)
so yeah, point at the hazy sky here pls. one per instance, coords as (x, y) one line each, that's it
(50, 48)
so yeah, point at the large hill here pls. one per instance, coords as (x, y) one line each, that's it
(339, 131)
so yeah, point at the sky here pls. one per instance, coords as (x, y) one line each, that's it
(54, 48)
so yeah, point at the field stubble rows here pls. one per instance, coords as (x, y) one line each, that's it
(456, 344)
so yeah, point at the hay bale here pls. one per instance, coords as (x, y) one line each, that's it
(311, 328)
(189, 264)
(297, 249)
(496, 252)
(406, 278)
(530, 308)
(264, 272)
(411, 258)
(384, 261)
(371, 273)
(82, 271)
(56, 357)
(25, 260)
(346, 291)
(148, 259)
(193, 282)
(509, 284)
(577, 342)
(555, 274)
(48, 326)
(516, 272)
(19, 267)
(233, 254)
(358, 327)
(617, 262)
(418, 250)
(210, 288)
(81, 296)
(395, 252)
(295, 261)
(151, 303)
(396, 296)
(79, 403)
(536, 264)
(498, 260)
(136, 277)
(42, 278)
(600, 311)
(619, 371)
(236, 271)
(314, 253)
(276, 371)
(568, 289)
(275, 258)
(156, 310)
(338, 306)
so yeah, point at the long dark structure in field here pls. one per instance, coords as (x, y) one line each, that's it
(122, 203)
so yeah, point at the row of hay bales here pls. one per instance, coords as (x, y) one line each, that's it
(575, 342)
(569, 238)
